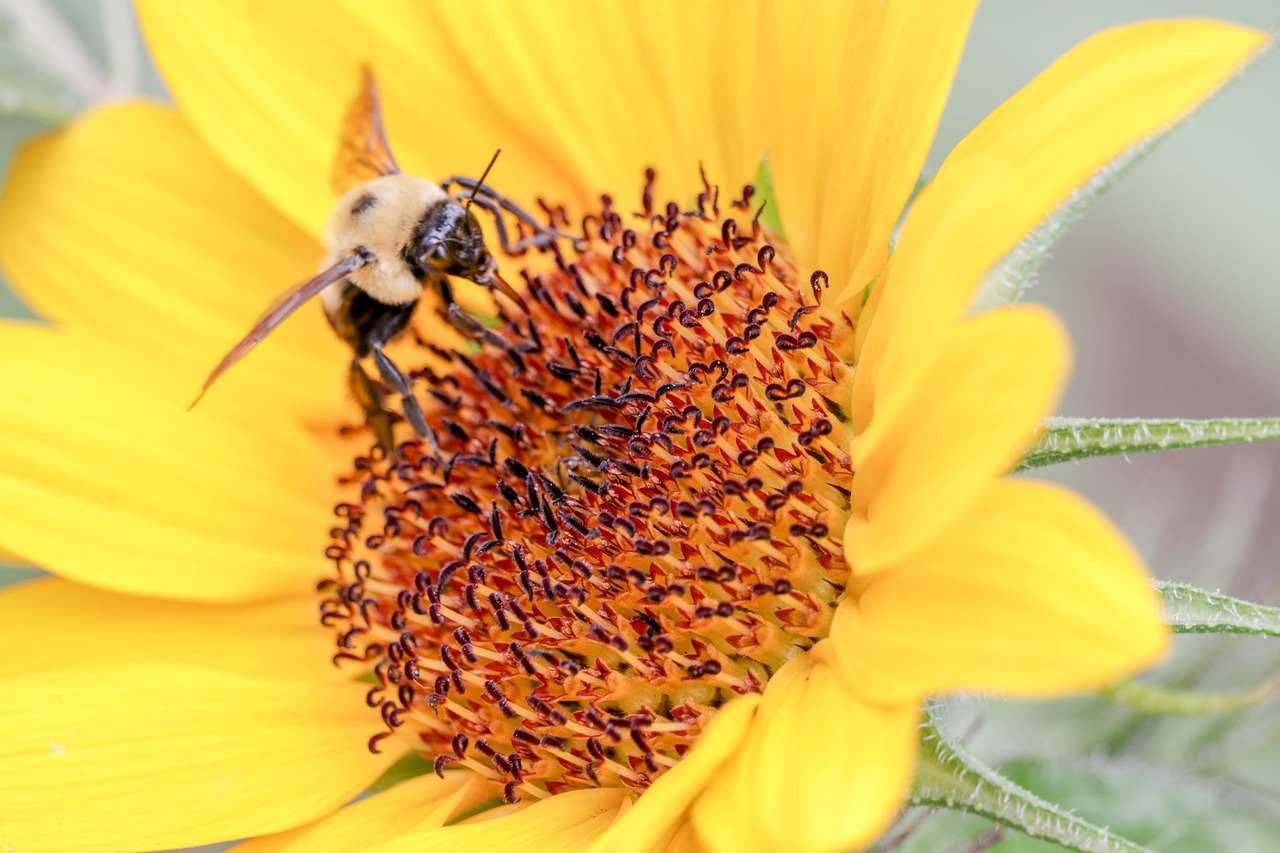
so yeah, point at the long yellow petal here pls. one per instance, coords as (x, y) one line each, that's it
(972, 416)
(564, 823)
(1033, 593)
(852, 117)
(1090, 107)
(57, 623)
(140, 757)
(126, 224)
(104, 478)
(660, 811)
(571, 92)
(424, 802)
(820, 769)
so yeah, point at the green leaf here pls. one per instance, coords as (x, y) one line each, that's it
(1189, 610)
(949, 777)
(1070, 439)
(1157, 699)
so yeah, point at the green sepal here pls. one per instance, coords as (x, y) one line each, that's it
(771, 216)
(409, 766)
(1008, 282)
(1071, 439)
(1157, 699)
(1190, 610)
(949, 777)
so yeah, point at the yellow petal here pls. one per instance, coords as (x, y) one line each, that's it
(128, 225)
(820, 770)
(1090, 107)
(971, 417)
(852, 117)
(57, 623)
(105, 479)
(1033, 593)
(658, 814)
(424, 802)
(142, 757)
(563, 823)
(581, 97)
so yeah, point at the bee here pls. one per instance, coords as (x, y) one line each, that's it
(391, 237)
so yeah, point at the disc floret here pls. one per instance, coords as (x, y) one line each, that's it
(619, 521)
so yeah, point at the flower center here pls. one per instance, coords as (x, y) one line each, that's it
(623, 518)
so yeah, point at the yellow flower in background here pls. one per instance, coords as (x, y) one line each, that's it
(647, 603)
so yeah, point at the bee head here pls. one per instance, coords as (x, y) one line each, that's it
(448, 240)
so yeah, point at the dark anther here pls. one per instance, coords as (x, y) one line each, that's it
(818, 281)
(411, 670)
(510, 494)
(793, 388)
(509, 795)
(373, 741)
(456, 430)
(466, 503)
(535, 398)
(441, 762)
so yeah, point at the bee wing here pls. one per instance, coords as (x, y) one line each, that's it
(363, 152)
(282, 308)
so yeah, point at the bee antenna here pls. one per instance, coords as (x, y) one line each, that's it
(480, 183)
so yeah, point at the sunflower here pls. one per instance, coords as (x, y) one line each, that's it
(683, 558)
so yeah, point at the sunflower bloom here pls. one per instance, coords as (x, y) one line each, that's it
(679, 563)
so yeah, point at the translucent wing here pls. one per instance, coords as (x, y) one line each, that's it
(363, 152)
(274, 315)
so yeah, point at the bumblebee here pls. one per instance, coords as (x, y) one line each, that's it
(390, 238)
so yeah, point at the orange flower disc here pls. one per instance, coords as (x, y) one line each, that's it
(625, 516)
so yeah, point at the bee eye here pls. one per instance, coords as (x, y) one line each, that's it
(438, 256)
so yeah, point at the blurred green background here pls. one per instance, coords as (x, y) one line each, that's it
(1171, 288)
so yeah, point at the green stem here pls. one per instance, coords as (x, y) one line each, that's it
(949, 777)
(1069, 439)
(1189, 610)
(1156, 699)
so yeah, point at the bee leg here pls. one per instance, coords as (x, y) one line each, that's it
(543, 235)
(370, 398)
(473, 328)
(464, 322)
(391, 375)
